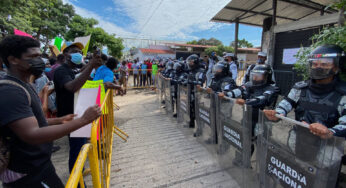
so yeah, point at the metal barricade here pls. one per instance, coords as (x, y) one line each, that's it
(99, 150)
(234, 141)
(205, 130)
(293, 157)
(184, 98)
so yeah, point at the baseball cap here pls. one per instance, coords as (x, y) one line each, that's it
(263, 54)
(68, 44)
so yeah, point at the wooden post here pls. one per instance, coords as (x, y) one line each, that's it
(236, 37)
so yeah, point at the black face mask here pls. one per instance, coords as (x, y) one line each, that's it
(319, 73)
(37, 66)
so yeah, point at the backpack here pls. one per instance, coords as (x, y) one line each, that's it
(4, 146)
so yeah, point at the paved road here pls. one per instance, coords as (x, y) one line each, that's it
(158, 152)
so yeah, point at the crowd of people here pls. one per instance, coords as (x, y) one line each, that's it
(37, 97)
(37, 100)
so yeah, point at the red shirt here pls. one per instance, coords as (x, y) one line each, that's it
(129, 65)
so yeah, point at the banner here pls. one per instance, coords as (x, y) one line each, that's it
(58, 42)
(86, 97)
(85, 41)
(21, 33)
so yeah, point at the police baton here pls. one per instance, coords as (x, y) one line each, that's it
(292, 121)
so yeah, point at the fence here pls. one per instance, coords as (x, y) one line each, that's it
(257, 152)
(99, 150)
(144, 78)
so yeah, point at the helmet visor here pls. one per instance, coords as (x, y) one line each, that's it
(321, 68)
(258, 78)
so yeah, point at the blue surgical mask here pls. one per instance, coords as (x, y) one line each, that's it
(47, 69)
(76, 58)
(260, 61)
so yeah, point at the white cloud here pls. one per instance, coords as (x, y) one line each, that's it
(169, 18)
(106, 25)
(159, 19)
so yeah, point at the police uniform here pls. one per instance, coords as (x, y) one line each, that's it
(195, 76)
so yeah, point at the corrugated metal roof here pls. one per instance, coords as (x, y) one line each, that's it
(253, 12)
(155, 51)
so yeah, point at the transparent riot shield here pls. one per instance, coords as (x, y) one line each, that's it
(234, 123)
(290, 156)
(205, 129)
(168, 95)
(184, 97)
(159, 88)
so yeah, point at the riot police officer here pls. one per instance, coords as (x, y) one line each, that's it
(222, 79)
(194, 76)
(178, 68)
(259, 93)
(320, 101)
(262, 57)
(168, 70)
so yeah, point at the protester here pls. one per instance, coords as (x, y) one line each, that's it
(129, 66)
(149, 67)
(22, 121)
(60, 59)
(144, 68)
(105, 73)
(2, 70)
(66, 84)
(154, 68)
(135, 68)
(123, 75)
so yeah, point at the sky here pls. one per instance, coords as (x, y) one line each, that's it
(176, 20)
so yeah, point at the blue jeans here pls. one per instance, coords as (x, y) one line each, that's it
(75, 147)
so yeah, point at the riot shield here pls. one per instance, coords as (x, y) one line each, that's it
(168, 96)
(162, 89)
(290, 156)
(234, 123)
(159, 88)
(184, 97)
(205, 130)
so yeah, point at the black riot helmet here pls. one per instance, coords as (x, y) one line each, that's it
(169, 65)
(192, 62)
(261, 75)
(178, 67)
(221, 69)
(323, 61)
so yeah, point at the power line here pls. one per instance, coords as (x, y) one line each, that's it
(140, 31)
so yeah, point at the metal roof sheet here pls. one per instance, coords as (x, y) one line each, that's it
(253, 12)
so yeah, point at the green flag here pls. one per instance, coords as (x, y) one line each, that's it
(58, 42)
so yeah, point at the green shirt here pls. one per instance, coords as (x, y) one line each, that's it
(154, 69)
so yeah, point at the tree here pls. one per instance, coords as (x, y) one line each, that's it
(42, 19)
(211, 42)
(219, 50)
(79, 26)
(50, 18)
(192, 42)
(328, 35)
(242, 44)
(15, 14)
